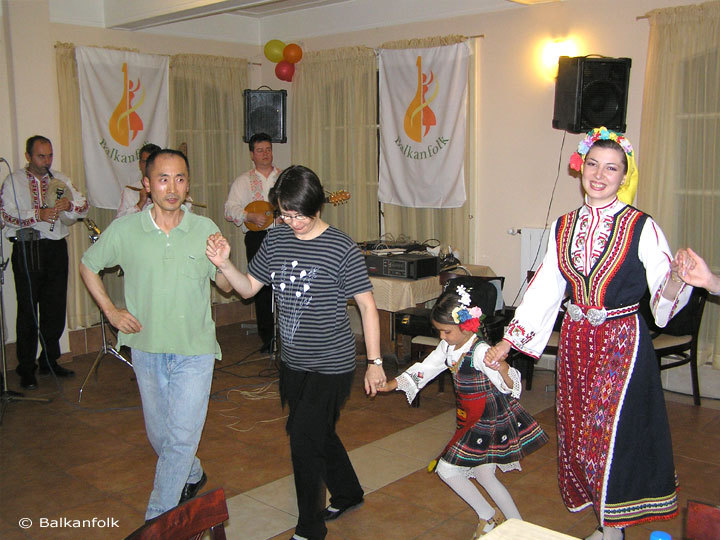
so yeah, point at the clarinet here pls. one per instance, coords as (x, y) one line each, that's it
(58, 195)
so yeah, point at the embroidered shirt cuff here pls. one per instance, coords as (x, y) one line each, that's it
(407, 385)
(516, 389)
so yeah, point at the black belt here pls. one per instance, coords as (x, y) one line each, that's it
(14, 240)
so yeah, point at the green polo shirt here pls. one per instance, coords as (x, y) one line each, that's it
(167, 281)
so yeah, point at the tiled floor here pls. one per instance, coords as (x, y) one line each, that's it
(65, 460)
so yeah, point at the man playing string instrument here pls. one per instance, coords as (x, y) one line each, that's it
(247, 188)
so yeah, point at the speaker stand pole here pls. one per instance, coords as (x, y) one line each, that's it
(106, 349)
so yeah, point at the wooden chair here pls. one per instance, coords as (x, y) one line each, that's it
(679, 338)
(189, 521)
(703, 521)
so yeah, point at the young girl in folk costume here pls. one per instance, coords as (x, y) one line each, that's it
(493, 430)
(614, 447)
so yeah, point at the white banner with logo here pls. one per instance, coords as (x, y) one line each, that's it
(124, 105)
(423, 103)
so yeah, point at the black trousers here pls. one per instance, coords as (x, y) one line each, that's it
(318, 455)
(263, 299)
(40, 269)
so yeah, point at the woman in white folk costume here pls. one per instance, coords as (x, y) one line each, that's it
(615, 452)
(493, 430)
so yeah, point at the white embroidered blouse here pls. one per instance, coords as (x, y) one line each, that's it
(535, 317)
(445, 357)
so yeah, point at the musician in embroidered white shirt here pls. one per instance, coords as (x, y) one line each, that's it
(38, 206)
(249, 187)
(134, 197)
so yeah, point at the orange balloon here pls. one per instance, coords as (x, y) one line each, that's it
(292, 53)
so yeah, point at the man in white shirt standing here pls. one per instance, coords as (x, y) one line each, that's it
(134, 198)
(247, 188)
(38, 207)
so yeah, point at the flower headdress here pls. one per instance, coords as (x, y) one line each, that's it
(466, 316)
(627, 190)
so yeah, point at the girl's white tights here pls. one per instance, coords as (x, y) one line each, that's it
(607, 533)
(457, 478)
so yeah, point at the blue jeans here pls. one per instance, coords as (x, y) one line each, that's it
(174, 390)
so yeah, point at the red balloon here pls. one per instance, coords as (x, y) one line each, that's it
(292, 53)
(285, 71)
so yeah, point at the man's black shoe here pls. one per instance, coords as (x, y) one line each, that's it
(57, 369)
(331, 512)
(28, 382)
(190, 490)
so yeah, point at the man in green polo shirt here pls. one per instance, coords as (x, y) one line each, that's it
(167, 323)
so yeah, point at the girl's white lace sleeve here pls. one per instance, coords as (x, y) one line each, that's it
(514, 374)
(495, 377)
(405, 383)
(419, 374)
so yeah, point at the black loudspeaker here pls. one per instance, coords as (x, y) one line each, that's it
(591, 92)
(265, 113)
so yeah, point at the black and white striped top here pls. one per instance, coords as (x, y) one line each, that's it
(312, 281)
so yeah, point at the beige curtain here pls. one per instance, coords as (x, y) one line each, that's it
(334, 132)
(81, 308)
(206, 113)
(680, 147)
(447, 226)
(469, 255)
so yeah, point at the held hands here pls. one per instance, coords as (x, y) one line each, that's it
(388, 386)
(375, 380)
(496, 355)
(497, 365)
(693, 270)
(217, 249)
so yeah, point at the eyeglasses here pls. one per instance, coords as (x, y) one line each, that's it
(297, 217)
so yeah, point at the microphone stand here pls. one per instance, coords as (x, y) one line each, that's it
(106, 348)
(7, 396)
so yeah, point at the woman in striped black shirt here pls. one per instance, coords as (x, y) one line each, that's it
(313, 269)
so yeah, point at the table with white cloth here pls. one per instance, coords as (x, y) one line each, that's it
(395, 294)
(515, 529)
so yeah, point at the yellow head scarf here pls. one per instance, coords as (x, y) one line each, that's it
(628, 188)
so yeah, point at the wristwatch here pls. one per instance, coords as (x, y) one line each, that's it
(377, 361)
